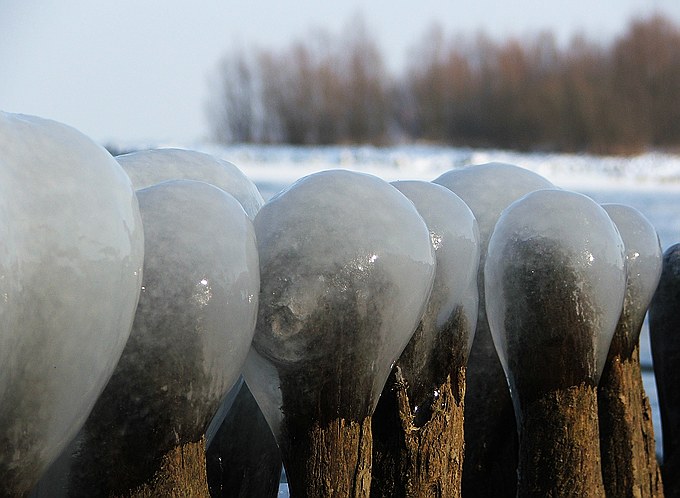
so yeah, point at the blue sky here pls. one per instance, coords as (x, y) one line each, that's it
(136, 70)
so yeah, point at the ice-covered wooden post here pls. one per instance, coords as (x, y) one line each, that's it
(71, 252)
(418, 441)
(347, 267)
(490, 466)
(629, 465)
(190, 337)
(664, 330)
(555, 282)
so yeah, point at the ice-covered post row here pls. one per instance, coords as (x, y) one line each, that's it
(135, 297)
(71, 251)
(347, 266)
(418, 424)
(629, 465)
(555, 282)
(490, 464)
(664, 330)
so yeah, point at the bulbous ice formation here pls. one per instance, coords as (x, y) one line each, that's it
(488, 189)
(643, 270)
(347, 267)
(555, 283)
(555, 280)
(455, 237)
(70, 268)
(490, 438)
(150, 167)
(629, 464)
(191, 334)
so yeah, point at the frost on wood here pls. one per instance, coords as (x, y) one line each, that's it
(555, 280)
(347, 266)
(491, 441)
(71, 260)
(418, 425)
(191, 334)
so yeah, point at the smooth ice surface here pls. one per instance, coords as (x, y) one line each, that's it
(555, 280)
(447, 328)
(643, 269)
(70, 269)
(489, 188)
(191, 334)
(347, 266)
(455, 238)
(149, 167)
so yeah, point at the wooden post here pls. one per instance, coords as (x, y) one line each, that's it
(555, 284)
(664, 330)
(629, 465)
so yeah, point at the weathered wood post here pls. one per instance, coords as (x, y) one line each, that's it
(418, 444)
(664, 331)
(190, 337)
(629, 465)
(490, 465)
(555, 283)
(347, 267)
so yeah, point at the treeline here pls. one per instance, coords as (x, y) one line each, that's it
(527, 94)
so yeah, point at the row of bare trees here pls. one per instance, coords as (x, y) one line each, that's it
(527, 94)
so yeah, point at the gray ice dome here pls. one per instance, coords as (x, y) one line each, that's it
(643, 268)
(347, 266)
(70, 271)
(555, 280)
(150, 167)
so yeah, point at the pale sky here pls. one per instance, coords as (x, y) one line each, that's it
(126, 71)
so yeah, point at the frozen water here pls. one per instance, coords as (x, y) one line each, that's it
(191, 334)
(455, 238)
(643, 269)
(555, 280)
(347, 266)
(490, 188)
(149, 167)
(446, 330)
(70, 268)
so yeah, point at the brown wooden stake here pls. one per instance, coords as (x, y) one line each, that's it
(333, 460)
(560, 446)
(181, 474)
(629, 464)
(425, 461)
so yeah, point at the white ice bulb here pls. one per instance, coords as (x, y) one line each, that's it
(70, 268)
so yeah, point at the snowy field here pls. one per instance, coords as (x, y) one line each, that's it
(649, 183)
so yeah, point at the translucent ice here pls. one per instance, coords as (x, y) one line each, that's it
(447, 328)
(488, 189)
(149, 167)
(555, 280)
(191, 334)
(643, 269)
(70, 268)
(347, 267)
